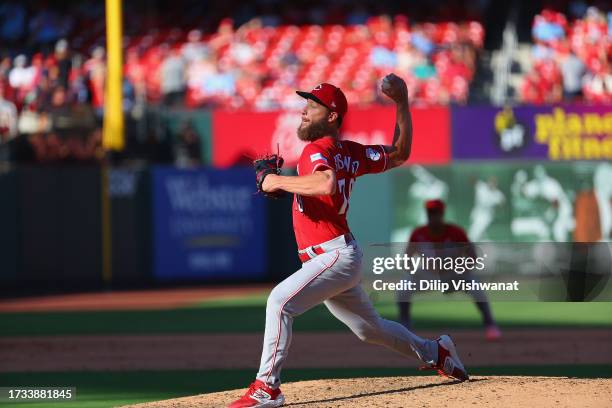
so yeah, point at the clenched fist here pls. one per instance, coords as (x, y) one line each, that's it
(395, 88)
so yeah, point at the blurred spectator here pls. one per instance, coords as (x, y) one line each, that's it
(551, 79)
(129, 95)
(69, 120)
(597, 85)
(63, 63)
(422, 43)
(224, 35)
(424, 70)
(242, 53)
(135, 72)
(21, 77)
(194, 48)
(95, 71)
(8, 118)
(542, 52)
(532, 89)
(173, 79)
(77, 82)
(407, 57)
(8, 92)
(549, 26)
(381, 57)
(42, 68)
(5, 68)
(43, 95)
(31, 121)
(220, 85)
(198, 74)
(572, 69)
(152, 60)
(60, 113)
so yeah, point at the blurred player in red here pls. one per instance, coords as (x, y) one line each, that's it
(436, 233)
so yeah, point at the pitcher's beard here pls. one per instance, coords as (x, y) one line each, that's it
(314, 131)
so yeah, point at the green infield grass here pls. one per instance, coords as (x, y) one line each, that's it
(247, 314)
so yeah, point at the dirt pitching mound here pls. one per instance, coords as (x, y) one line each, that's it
(400, 392)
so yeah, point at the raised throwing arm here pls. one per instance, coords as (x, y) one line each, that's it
(395, 88)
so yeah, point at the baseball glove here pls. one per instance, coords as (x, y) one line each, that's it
(270, 164)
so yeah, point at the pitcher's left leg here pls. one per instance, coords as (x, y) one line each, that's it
(353, 308)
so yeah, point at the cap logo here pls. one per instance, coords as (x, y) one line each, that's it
(318, 87)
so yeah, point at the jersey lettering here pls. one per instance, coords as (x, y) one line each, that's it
(345, 163)
(345, 193)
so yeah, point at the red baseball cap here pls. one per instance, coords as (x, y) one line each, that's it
(434, 205)
(329, 96)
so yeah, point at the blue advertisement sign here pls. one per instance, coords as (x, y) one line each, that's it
(208, 224)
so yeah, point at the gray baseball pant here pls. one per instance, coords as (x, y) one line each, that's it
(334, 279)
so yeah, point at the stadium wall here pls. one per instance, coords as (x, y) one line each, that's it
(51, 235)
(59, 226)
(9, 215)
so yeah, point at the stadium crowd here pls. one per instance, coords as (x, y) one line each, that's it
(52, 61)
(52, 69)
(258, 66)
(571, 58)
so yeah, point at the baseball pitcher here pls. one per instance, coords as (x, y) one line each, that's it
(331, 269)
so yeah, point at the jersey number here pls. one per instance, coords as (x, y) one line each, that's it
(346, 193)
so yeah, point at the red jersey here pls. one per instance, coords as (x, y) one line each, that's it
(317, 219)
(451, 233)
(423, 242)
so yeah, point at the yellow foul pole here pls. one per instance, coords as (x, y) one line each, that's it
(113, 112)
(112, 136)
